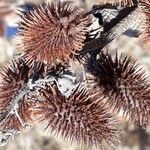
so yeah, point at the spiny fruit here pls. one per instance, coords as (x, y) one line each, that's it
(14, 106)
(52, 32)
(125, 84)
(81, 117)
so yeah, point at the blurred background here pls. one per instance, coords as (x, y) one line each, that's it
(134, 138)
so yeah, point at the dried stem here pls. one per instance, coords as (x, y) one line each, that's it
(96, 45)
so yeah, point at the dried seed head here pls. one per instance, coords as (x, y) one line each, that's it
(14, 106)
(122, 2)
(145, 36)
(125, 84)
(52, 32)
(80, 118)
(20, 83)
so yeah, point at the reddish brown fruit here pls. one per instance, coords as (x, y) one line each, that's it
(52, 32)
(125, 85)
(13, 106)
(81, 117)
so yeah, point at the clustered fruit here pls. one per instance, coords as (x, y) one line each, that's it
(64, 79)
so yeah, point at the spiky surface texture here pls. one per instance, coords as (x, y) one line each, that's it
(123, 81)
(20, 84)
(80, 117)
(122, 2)
(145, 36)
(14, 76)
(52, 32)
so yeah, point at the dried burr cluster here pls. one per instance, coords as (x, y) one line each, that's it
(64, 78)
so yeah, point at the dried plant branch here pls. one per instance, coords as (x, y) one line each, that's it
(120, 13)
(124, 3)
(119, 27)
